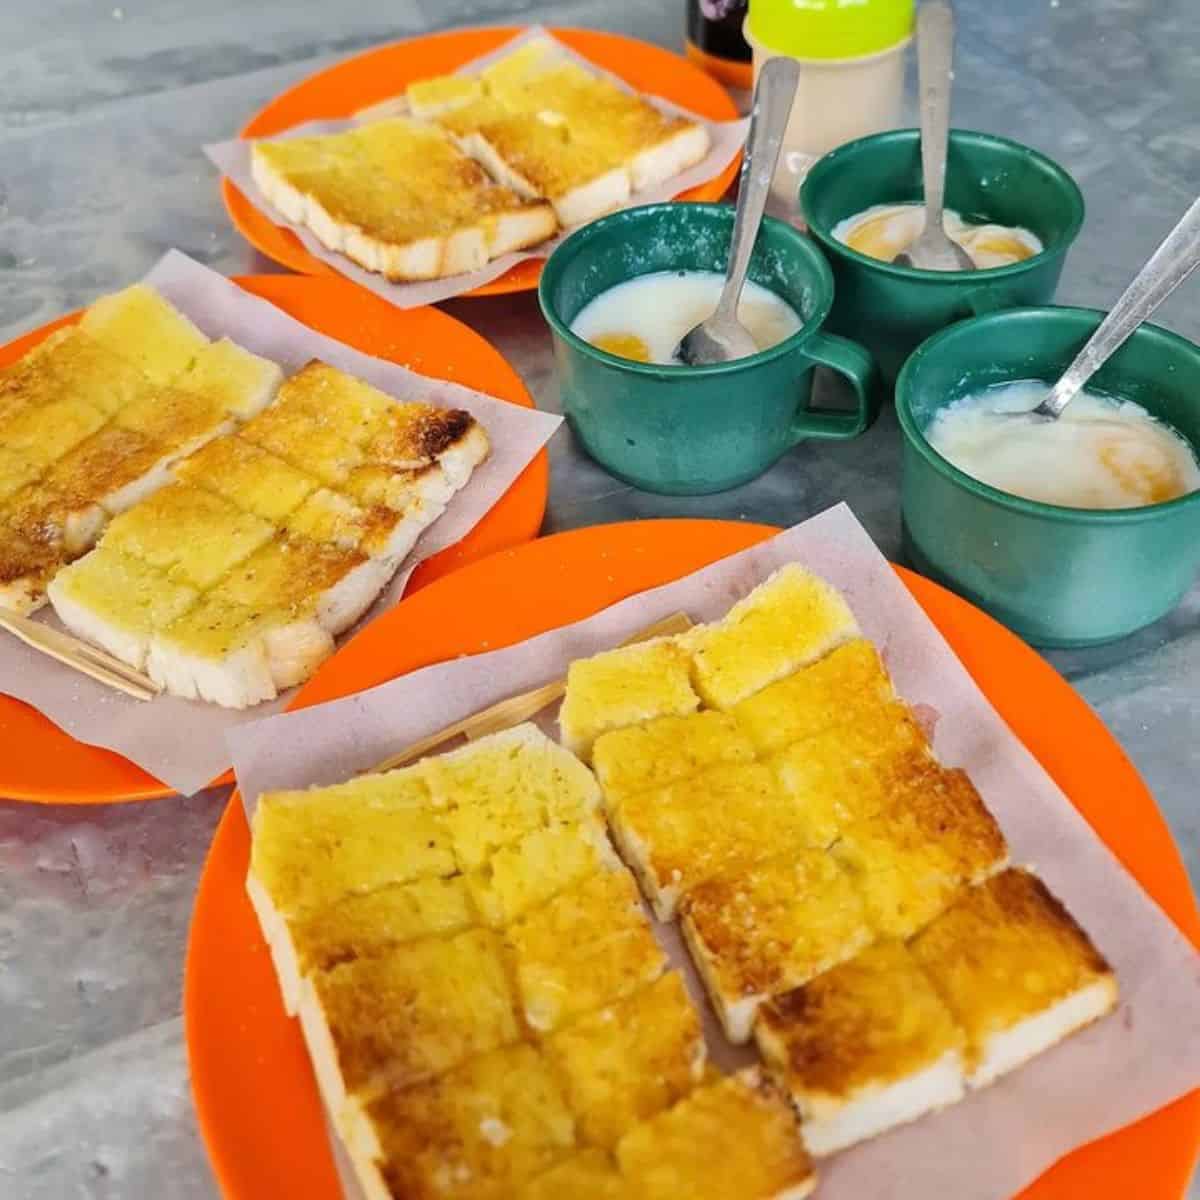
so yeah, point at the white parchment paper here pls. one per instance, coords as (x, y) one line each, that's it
(232, 159)
(182, 742)
(998, 1140)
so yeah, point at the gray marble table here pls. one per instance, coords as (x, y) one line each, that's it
(103, 107)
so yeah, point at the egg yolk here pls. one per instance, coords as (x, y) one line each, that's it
(881, 237)
(1002, 247)
(627, 345)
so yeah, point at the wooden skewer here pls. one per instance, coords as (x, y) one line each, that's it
(86, 659)
(507, 713)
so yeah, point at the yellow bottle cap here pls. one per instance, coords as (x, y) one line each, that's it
(829, 28)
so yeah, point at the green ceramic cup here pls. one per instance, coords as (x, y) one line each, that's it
(892, 309)
(693, 430)
(1057, 576)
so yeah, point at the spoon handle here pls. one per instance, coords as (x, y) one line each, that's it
(935, 57)
(1169, 266)
(773, 97)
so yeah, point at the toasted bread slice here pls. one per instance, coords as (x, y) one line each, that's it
(505, 787)
(243, 383)
(835, 690)
(253, 479)
(305, 442)
(734, 1137)
(26, 567)
(788, 621)
(624, 1063)
(864, 1047)
(404, 1016)
(768, 929)
(379, 532)
(349, 407)
(430, 98)
(118, 602)
(41, 434)
(194, 536)
(665, 749)
(587, 947)
(536, 867)
(479, 1131)
(138, 324)
(16, 473)
(589, 1175)
(1016, 970)
(849, 772)
(624, 687)
(935, 838)
(178, 420)
(714, 823)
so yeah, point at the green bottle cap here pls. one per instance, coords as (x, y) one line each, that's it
(829, 28)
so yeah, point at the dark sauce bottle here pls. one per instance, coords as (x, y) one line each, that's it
(715, 42)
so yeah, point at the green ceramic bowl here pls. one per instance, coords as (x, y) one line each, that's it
(892, 309)
(692, 430)
(1057, 576)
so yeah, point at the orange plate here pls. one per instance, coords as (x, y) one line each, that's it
(367, 78)
(41, 763)
(254, 1091)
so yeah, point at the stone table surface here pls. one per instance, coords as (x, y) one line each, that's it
(103, 109)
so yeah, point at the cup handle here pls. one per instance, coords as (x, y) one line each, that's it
(855, 364)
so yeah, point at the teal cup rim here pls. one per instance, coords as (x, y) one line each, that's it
(830, 161)
(578, 241)
(1088, 317)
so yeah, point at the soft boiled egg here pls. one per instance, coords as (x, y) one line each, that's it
(645, 318)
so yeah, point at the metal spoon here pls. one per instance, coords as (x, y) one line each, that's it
(722, 336)
(934, 250)
(1174, 260)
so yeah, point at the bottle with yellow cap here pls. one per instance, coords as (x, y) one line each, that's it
(851, 55)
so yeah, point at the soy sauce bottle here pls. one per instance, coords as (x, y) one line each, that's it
(715, 42)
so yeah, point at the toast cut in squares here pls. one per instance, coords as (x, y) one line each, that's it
(16, 472)
(1016, 971)
(151, 333)
(536, 867)
(351, 408)
(374, 483)
(178, 420)
(312, 848)
(244, 383)
(665, 749)
(26, 567)
(478, 1131)
(834, 690)
(305, 442)
(625, 687)
(589, 1175)
(252, 479)
(117, 602)
(864, 1047)
(714, 823)
(935, 838)
(108, 473)
(624, 1063)
(850, 772)
(380, 532)
(42, 434)
(412, 436)
(193, 535)
(770, 928)
(405, 1015)
(505, 786)
(587, 947)
(734, 1137)
(788, 621)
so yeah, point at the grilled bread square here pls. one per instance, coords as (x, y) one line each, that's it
(351, 408)
(118, 601)
(429, 98)
(849, 772)
(478, 1131)
(1016, 971)
(536, 867)
(138, 324)
(16, 472)
(864, 1047)
(665, 749)
(42, 434)
(787, 622)
(176, 419)
(624, 687)
(725, 818)
(734, 1137)
(587, 947)
(243, 383)
(910, 862)
(305, 442)
(405, 1015)
(374, 483)
(834, 690)
(193, 535)
(769, 928)
(108, 473)
(250, 478)
(26, 567)
(624, 1063)
(589, 1175)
